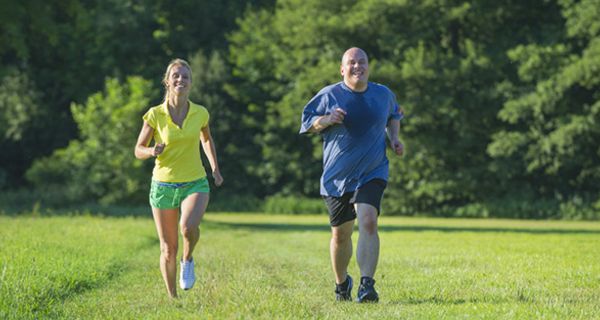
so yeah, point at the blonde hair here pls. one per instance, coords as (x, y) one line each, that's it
(174, 62)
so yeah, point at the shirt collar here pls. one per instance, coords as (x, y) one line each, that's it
(345, 87)
(192, 109)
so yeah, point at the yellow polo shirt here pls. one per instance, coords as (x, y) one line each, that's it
(180, 160)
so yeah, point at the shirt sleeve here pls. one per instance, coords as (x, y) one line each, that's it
(207, 118)
(395, 112)
(149, 117)
(316, 107)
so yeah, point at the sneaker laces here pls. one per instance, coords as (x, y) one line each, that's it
(188, 271)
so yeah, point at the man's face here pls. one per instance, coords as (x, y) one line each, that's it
(355, 68)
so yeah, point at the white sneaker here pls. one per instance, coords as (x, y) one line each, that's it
(187, 276)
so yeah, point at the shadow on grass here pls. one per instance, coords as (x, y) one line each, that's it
(386, 228)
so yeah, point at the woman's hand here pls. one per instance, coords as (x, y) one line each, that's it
(158, 149)
(218, 178)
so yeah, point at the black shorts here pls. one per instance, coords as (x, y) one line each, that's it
(341, 209)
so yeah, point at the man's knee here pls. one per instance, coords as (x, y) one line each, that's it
(340, 238)
(368, 221)
(342, 234)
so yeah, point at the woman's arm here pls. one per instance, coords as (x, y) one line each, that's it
(142, 151)
(208, 145)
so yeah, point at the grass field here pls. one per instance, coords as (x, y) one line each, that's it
(277, 267)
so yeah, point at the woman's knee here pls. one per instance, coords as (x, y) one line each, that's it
(168, 250)
(188, 231)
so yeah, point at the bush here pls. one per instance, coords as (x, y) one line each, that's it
(223, 202)
(578, 209)
(28, 200)
(294, 205)
(100, 166)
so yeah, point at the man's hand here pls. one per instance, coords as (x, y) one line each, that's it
(322, 122)
(335, 117)
(397, 146)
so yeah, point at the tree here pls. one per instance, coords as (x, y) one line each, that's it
(100, 164)
(235, 148)
(443, 59)
(20, 113)
(67, 49)
(551, 114)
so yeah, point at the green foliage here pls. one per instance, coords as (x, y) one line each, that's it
(100, 164)
(18, 105)
(21, 115)
(294, 205)
(67, 49)
(551, 135)
(233, 139)
(502, 98)
(438, 57)
(453, 79)
(17, 201)
(24, 22)
(225, 202)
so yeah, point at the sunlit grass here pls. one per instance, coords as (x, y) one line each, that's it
(266, 266)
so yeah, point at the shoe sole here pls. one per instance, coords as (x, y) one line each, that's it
(369, 300)
(185, 289)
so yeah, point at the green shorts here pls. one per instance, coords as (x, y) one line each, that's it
(169, 195)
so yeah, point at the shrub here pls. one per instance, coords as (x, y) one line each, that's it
(294, 205)
(100, 165)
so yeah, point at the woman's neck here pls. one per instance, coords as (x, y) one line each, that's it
(177, 102)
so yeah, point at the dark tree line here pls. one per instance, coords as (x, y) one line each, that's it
(501, 98)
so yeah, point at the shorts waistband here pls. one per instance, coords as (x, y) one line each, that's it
(175, 184)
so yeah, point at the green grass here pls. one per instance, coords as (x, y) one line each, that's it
(274, 267)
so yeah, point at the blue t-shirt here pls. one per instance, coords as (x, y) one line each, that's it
(353, 152)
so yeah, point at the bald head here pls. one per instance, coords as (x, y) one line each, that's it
(354, 51)
(355, 69)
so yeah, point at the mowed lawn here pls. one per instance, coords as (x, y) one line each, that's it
(277, 267)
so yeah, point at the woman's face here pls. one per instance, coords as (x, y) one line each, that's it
(179, 80)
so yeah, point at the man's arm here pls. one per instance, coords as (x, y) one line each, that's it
(323, 122)
(393, 130)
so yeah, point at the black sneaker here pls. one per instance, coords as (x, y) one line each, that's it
(366, 291)
(343, 292)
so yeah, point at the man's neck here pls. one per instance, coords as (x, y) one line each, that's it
(358, 87)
